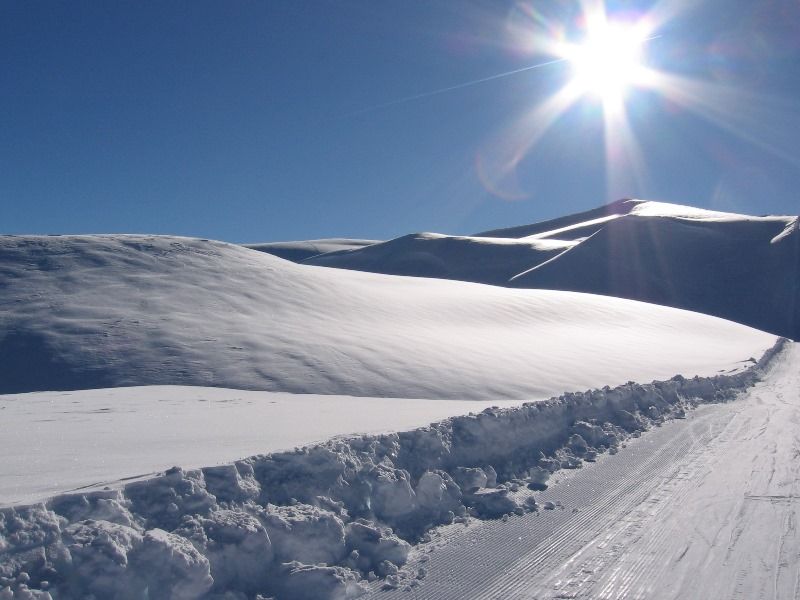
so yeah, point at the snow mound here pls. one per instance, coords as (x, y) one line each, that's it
(80, 312)
(482, 260)
(301, 250)
(738, 267)
(318, 521)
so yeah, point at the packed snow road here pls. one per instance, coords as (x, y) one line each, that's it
(702, 508)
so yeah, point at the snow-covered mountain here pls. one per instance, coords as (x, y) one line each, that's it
(738, 267)
(369, 359)
(80, 312)
(299, 251)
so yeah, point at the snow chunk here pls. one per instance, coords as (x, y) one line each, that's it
(101, 553)
(308, 582)
(232, 482)
(305, 533)
(104, 505)
(492, 503)
(470, 478)
(173, 568)
(237, 546)
(392, 494)
(376, 545)
(164, 500)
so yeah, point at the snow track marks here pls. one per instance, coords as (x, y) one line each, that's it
(703, 508)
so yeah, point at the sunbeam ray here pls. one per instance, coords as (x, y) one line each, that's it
(735, 110)
(497, 164)
(626, 173)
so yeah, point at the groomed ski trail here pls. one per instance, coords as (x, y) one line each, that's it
(702, 508)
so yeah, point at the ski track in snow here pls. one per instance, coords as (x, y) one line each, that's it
(703, 508)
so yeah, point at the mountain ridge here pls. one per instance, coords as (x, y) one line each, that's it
(738, 267)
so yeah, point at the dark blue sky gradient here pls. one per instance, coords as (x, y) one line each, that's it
(244, 121)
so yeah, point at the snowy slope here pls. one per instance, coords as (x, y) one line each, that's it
(478, 259)
(301, 250)
(81, 312)
(733, 266)
(727, 265)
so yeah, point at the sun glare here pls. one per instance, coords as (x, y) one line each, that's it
(609, 61)
(607, 56)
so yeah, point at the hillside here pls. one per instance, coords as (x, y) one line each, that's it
(301, 250)
(80, 312)
(738, 267)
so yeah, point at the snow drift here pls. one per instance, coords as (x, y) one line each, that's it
(301, 250)
(738, 267)
(315, 522)
(80, 312)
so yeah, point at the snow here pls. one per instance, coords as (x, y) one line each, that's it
(738, 267)
(321, 521)
(319, 416)
(721, 264)
(704, 507)
(649, 208)
(109, 311)
(301, 250)
(480, 259)
(54, 442)
(581, 228)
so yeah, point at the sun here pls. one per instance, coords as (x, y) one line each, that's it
(609, 60)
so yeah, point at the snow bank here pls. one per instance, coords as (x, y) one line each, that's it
(315, 522)
(49, 441)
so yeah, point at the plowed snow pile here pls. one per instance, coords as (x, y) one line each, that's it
(54, 442)
(80, 312)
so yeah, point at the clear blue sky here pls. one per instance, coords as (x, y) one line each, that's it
(245, 121)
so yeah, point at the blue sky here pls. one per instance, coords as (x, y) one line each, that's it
(276, 120)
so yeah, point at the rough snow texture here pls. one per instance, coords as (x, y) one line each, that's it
(56, 442)
(738, 267)
(79, 312)
(314, 522)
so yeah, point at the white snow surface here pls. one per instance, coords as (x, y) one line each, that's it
(701, 508)
(738, 267)
(319, 522)
(81, 312)
(54, 442)
(301, 250)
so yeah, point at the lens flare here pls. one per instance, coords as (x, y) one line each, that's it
(609, 61)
